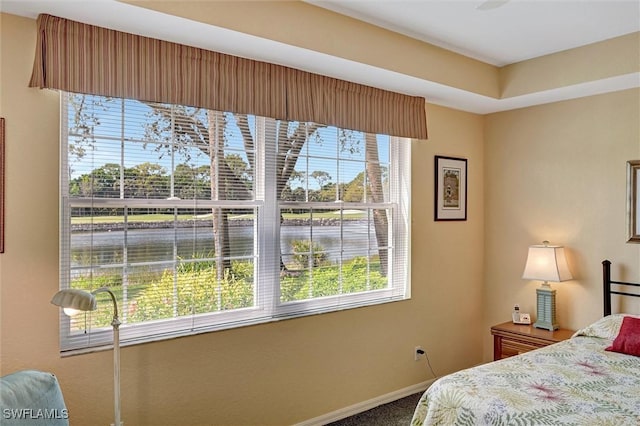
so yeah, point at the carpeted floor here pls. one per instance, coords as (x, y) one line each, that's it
(394, 413)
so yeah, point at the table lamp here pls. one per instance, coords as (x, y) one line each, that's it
(74, 301)
(546, 263)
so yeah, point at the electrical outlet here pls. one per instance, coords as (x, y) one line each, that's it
(416, 354)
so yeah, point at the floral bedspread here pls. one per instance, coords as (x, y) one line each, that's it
(575, 382)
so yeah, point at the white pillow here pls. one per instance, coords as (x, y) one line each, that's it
(606, 327)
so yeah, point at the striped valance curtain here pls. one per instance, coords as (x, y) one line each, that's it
(81, 58)
(353, 106)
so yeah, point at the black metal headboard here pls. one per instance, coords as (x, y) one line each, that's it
(606, 281)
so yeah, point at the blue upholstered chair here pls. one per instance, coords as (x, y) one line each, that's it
(32, 397)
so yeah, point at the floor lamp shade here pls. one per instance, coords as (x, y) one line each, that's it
(74, 300)
(546, 263)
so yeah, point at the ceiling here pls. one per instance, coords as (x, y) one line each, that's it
(514, 31)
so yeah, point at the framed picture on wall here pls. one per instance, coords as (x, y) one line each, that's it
(451, 188)
(633, 201)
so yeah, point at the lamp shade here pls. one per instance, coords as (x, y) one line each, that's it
(75, 299)
(546, 263)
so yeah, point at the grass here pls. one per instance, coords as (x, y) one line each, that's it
(335, 214)
(131, 218)
(348, 215)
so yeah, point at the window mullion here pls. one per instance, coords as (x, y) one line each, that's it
(125, 263)
(125, 251)
(65, 213)
(400, 227)
(172, 195)
(268, 229)
(122, 121)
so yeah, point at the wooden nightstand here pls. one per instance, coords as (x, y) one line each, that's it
(511, 339)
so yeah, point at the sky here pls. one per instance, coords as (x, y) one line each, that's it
(111, 132)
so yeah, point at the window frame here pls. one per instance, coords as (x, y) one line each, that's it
(267, 305)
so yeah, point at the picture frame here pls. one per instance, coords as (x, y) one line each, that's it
(633, 201)
(450, 193)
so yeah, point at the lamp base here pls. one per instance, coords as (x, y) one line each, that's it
(546, 318)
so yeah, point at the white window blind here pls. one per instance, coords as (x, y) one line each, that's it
(201, 220)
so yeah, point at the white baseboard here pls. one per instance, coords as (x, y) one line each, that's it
(366, 405)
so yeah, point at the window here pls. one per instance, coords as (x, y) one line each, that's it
(201, 220)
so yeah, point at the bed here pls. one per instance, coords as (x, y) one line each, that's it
(574, 382)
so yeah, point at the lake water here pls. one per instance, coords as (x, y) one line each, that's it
(148, 245)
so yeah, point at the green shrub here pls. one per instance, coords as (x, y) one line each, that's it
(328, 281)
(303, 250)
(194, 289)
